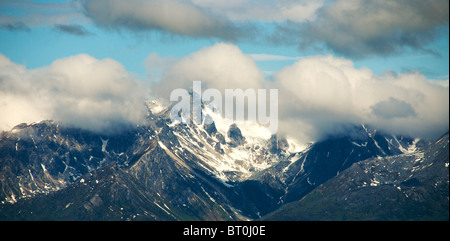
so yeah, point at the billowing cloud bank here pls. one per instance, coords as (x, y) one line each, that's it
(173, 16)
(360, 28)
(322, 95)
(354, 28)
(319, 96)
(326, 93)
(80, 91)
(222, 66)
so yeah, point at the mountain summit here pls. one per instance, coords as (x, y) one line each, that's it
(165, 171)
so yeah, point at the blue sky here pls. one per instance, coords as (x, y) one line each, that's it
(334, 61)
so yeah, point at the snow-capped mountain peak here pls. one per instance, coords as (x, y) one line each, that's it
(171, 171)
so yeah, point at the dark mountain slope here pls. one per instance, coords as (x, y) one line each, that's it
(104, 194)
(325, 159)
(146, 181)
(411, 186)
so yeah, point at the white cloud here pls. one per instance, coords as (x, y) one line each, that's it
(324, 93)
(321, 95)
(156, 65)
(374, 27)
(80, 91)
(221, 66)
(172, 16)
(318, 95)
(228, 20)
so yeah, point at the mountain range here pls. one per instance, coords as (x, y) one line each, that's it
(165, 171)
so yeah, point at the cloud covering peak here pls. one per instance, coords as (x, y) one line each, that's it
(80, 91)
(221, 66)
(323, 93)
(321, 96)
